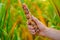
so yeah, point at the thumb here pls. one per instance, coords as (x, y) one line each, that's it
(35, 20)
(40, 25)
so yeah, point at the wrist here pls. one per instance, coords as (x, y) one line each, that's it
(43, 31)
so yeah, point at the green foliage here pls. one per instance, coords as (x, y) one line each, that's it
(11, 13)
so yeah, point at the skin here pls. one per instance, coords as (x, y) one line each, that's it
(44, 31)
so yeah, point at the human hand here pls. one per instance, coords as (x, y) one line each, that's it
(41, 27)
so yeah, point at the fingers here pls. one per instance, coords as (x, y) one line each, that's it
(31, 29)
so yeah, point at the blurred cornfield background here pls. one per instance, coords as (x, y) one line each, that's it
(13, 24)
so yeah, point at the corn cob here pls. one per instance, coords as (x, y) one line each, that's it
(29, 18)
